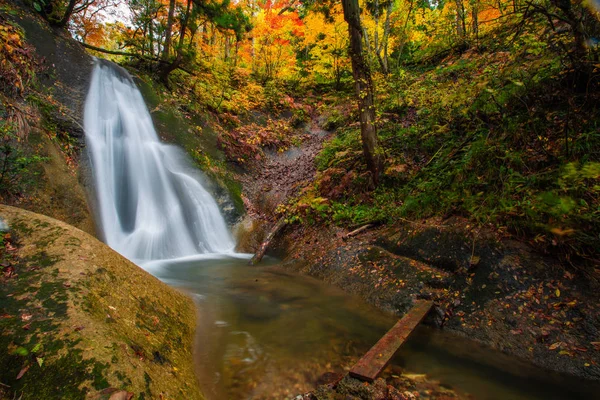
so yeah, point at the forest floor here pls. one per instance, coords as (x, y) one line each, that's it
(279, 176)
(496, 291)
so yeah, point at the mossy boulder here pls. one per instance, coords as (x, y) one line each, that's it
(81, 321)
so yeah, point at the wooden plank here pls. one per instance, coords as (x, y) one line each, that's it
(376, 359)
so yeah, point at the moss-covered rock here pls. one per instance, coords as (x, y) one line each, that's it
(81, 321)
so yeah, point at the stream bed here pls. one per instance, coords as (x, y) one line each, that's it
(265, 333)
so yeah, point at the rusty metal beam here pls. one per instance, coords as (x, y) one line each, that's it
(376, 359)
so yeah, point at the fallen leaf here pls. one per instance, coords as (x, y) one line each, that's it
(557, 292)
(121, 395)
(22, 372)
(562, 232)
(554, 346)
(20, 351)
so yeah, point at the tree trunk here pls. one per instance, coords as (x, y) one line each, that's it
(167, 46)
(404, 35)
(363, 85)
(386, 38)
(151, 38)
(169, 67)
(376, 15)
(461, 28)
(184, 24)
(377, 43)
(475, 17)
(67, 16)
(260, 253)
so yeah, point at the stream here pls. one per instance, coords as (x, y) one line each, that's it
(265, 333)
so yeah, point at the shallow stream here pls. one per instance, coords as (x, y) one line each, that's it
(265, 333)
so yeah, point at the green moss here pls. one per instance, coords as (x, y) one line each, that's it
(44, 297)
(87, 319)
(99, 381)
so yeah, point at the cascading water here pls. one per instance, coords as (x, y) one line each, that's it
(151, 204)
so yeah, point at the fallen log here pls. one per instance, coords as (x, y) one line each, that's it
(265, 245)
(357, 231)
(375, 360)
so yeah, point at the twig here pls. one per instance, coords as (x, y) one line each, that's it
(436, 153)
(357, 231)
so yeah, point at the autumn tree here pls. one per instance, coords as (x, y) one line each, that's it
(273, 39)
(583, 23)
(381, 34)
(60, 12)
(87, 26)
(326, 40)
(363, 85)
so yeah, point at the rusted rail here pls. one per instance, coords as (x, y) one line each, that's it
(376, 359)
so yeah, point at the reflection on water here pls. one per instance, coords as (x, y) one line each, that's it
(267, 334)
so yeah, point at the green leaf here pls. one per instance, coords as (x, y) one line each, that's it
(36, 348)
(40, 361)
(37, 7)
(20, 351)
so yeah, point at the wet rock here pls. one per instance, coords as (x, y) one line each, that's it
(329, 378)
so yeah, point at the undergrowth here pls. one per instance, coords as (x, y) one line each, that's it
(497, 134)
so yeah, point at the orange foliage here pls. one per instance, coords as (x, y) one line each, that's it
(270, 51)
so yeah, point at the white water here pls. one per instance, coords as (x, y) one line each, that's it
(151, 204)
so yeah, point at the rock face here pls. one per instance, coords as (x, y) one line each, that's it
(81, 321)
(63, 74)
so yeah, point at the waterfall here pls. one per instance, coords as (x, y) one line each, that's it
(151, 204)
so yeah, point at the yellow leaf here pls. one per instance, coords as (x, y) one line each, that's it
(557, 292)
